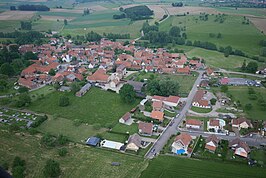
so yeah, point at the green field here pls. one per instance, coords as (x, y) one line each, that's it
(9, 25)
(67, 128)
(45, 25)
(217, 60)
(97, 106)
(241, 94)
(170, 167)
(234, 33)
(81, 160)
(243, 11)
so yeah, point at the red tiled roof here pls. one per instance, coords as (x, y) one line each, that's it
(184, 138)
(214, 122)
(98, 76)
(193, 122)
(146, 127)
(157, 115)
(171, 99)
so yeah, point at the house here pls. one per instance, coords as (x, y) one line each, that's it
(204, 83)
(93, 141)
(215, 124)
(134, 142)
(181, 143)
(171, 101)
(240, 148)
(122, 70)
(145, 128)
(83, 90)
(27, 83)
(210, 72)
(125, 119)
(64, 89)
(241, 123)
(200, 101)
(193, 124)
(157, 105)
(212, 143)
(137, 87)
(185, 70)
(158, 115)
(99, 76)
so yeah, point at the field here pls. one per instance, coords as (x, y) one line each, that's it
(243, 11)
(92, 162)
(241, 94)
(166, 166)
(259, 23)
(217, 60)
(67, 128)
(96, 106)
(234, 33)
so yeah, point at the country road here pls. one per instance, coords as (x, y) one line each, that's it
(240, 73)
(171, 130)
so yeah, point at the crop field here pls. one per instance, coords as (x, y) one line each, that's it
(243, 11)
(234, 33)
(92, 162)
(16, 15)
(259, 23)
(97, 106)
(217, 60)
(241, 94)
(168, 166)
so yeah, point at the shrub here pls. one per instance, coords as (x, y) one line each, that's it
(62, 152)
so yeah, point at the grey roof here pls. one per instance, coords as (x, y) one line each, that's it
(64, 88)
(71, 76)
(85, 87)
(93, 141)
(136, 139)
(137, 85)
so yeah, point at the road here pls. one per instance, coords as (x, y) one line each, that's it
(240, 73)
(171, 130)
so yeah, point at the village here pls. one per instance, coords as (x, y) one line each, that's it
(211, 123)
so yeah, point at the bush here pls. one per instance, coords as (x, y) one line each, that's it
(248, 106)
(97, 126)
(18, 167)
(39, 121)
(213, 101)
(62, 140)
(5, 165)
(62, 152)
(63, 101)
(52, 169)
(48, 140)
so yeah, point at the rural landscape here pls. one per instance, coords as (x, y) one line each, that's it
(132, 88)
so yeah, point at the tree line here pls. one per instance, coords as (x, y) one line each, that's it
(30, 7)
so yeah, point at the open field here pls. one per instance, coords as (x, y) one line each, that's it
(97, 106)
(192, 10)
(46, 24)
(16, 15)
(9, 25)
(67, 128)
(241, 94)
(217, 60)
(92, 162)
(234, 33)
(167, 166)
(243, 11)
(259, 23)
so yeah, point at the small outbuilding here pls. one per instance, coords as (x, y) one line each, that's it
(93, 141)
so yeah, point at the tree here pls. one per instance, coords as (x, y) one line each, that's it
(23, 100)
(25, 25)
(127, 93)
(48, 140)
(23, 89)
(7, 69)
(227, 51)
(30, 56)
(65, 22)
(224, 88)
(248, 106)
(213, 101)
(75, 87)
(52, 72)
(174, 31)
(252, 67)
(52, 169)
(244, 66)
(18, 167)
(163, 87)
(62, 152)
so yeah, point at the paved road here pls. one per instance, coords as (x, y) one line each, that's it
(240, 73)
(170, 130)
(255, 140)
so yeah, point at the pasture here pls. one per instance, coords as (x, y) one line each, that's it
(92, 162)
(217, 60)
(234, 33)
(241, 94)
(169, 166)
(97, 106)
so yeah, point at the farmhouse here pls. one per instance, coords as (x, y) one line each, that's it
(211, 143)
(125, 119)
(145, 128)
(134, 142)
(193, 124)
(99, 76)
(241, 123)
(241, 148)
(181, 143)
(171, 101)
(200, 101)
(158, 115)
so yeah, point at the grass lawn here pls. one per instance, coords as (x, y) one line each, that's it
(234, 33)
(92, 162)
(45, 25)
(201, 110)
(97, 106)
(122, 128)
(217, 60)
(67, 128)
(241, 94)
(44, 91)
(203, 119)
(259, 156)
(169, 114)
(115, 137)
(168, 166)
(185, 81)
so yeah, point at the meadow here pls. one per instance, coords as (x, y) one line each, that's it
(80, 161)
(97, 106)
(234, 33)
(169, 166)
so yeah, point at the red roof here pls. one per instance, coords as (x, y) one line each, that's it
(193, 122)
(98, 76)
(171, 99)
(214, 122)
(157, 115)
(145, 128)
(185, 70)
(184, 138)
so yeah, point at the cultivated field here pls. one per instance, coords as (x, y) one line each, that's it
(80, 161)
(234, 33)
(259, 23)
(243, 11)
(16, 15)
(96, 106)
(166, 166)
